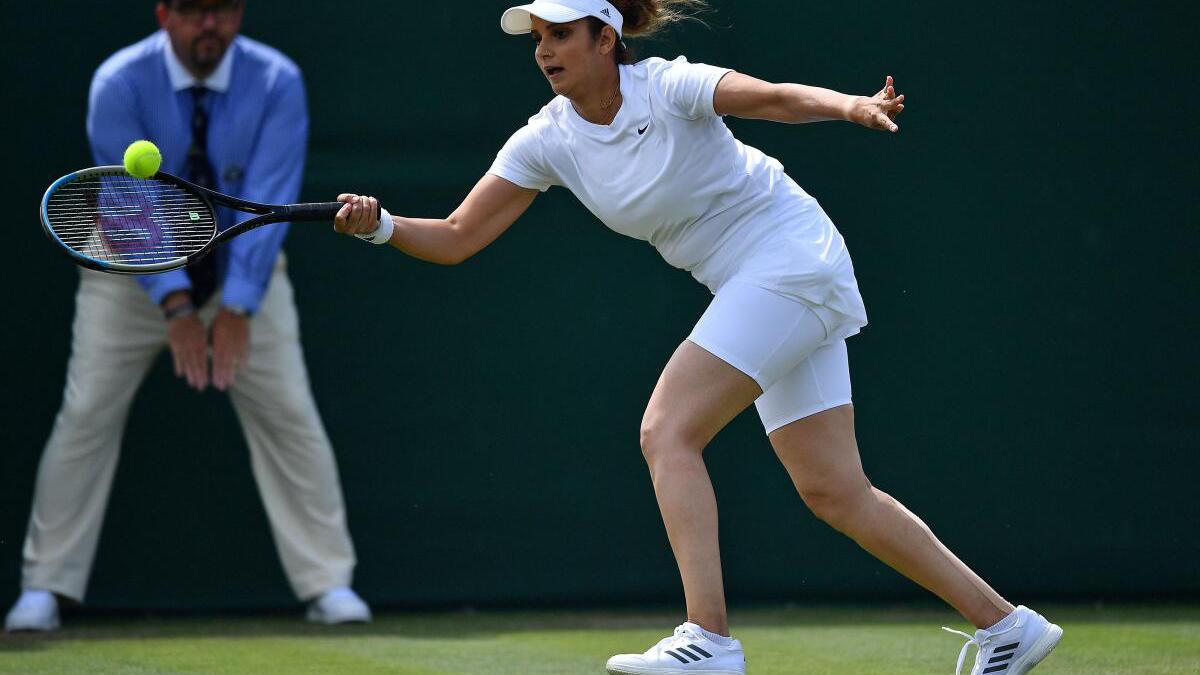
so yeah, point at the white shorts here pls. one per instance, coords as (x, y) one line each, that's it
(782, 343)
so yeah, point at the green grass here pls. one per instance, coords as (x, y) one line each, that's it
(825, 641)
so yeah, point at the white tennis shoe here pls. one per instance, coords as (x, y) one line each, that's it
(339, 605)
(687, 651)
(1014, 650)
(35, 610)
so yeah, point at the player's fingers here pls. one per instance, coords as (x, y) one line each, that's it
(361, 216)
(340, 220)
(372, 210)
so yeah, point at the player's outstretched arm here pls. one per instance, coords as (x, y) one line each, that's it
(491, 207)
(744, 96)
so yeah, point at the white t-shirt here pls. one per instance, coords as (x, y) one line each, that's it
(668, 171)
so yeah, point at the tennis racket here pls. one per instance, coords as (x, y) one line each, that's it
(108, 220)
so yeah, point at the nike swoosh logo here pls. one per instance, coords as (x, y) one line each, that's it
(643, 129)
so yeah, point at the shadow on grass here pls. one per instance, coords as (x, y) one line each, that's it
(468, 624)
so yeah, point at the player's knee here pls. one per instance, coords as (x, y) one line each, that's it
(663, 443)
(837, 503)
(649, 437)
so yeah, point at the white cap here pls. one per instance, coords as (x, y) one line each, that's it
(516, 21)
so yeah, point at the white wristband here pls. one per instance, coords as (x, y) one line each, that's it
(383, 233)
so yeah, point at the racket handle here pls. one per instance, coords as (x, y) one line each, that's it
(312, 212)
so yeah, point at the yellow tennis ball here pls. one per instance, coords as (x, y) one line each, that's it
(142, 159)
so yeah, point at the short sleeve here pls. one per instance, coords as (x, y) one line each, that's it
(522, 162)
(688, 88)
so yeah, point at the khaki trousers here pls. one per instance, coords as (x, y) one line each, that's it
(117, 334)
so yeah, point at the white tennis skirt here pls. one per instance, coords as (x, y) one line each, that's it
(783, 343)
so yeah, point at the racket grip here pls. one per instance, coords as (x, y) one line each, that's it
(312, 212)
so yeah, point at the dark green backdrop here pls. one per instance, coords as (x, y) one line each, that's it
(1027, 246)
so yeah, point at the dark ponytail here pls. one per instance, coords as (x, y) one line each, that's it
(644, 18)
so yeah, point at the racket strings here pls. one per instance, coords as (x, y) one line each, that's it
(117, 218)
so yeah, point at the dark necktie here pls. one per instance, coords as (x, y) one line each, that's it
(203, 273)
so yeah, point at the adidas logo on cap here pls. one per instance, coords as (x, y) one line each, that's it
(605, 12)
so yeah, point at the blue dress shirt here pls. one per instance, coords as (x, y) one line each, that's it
(257, 136)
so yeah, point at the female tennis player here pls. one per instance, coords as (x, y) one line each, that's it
(644, 147)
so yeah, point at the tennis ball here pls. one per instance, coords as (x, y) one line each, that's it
(142, 159)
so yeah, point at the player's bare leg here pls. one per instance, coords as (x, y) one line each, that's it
(821, 455)
(696, 396)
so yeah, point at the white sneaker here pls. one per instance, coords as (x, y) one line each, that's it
(1013, 651)
(35, 610)
(687, 651)
(339, 605)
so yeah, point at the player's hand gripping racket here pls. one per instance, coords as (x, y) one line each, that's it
(110, 221)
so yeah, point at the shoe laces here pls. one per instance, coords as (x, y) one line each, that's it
(971, 640)
(681, 632)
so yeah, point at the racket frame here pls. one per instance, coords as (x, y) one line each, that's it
(266, 214)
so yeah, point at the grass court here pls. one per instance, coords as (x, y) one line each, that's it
(1098, 640)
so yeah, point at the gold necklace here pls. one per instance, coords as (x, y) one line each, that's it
(609, 102)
